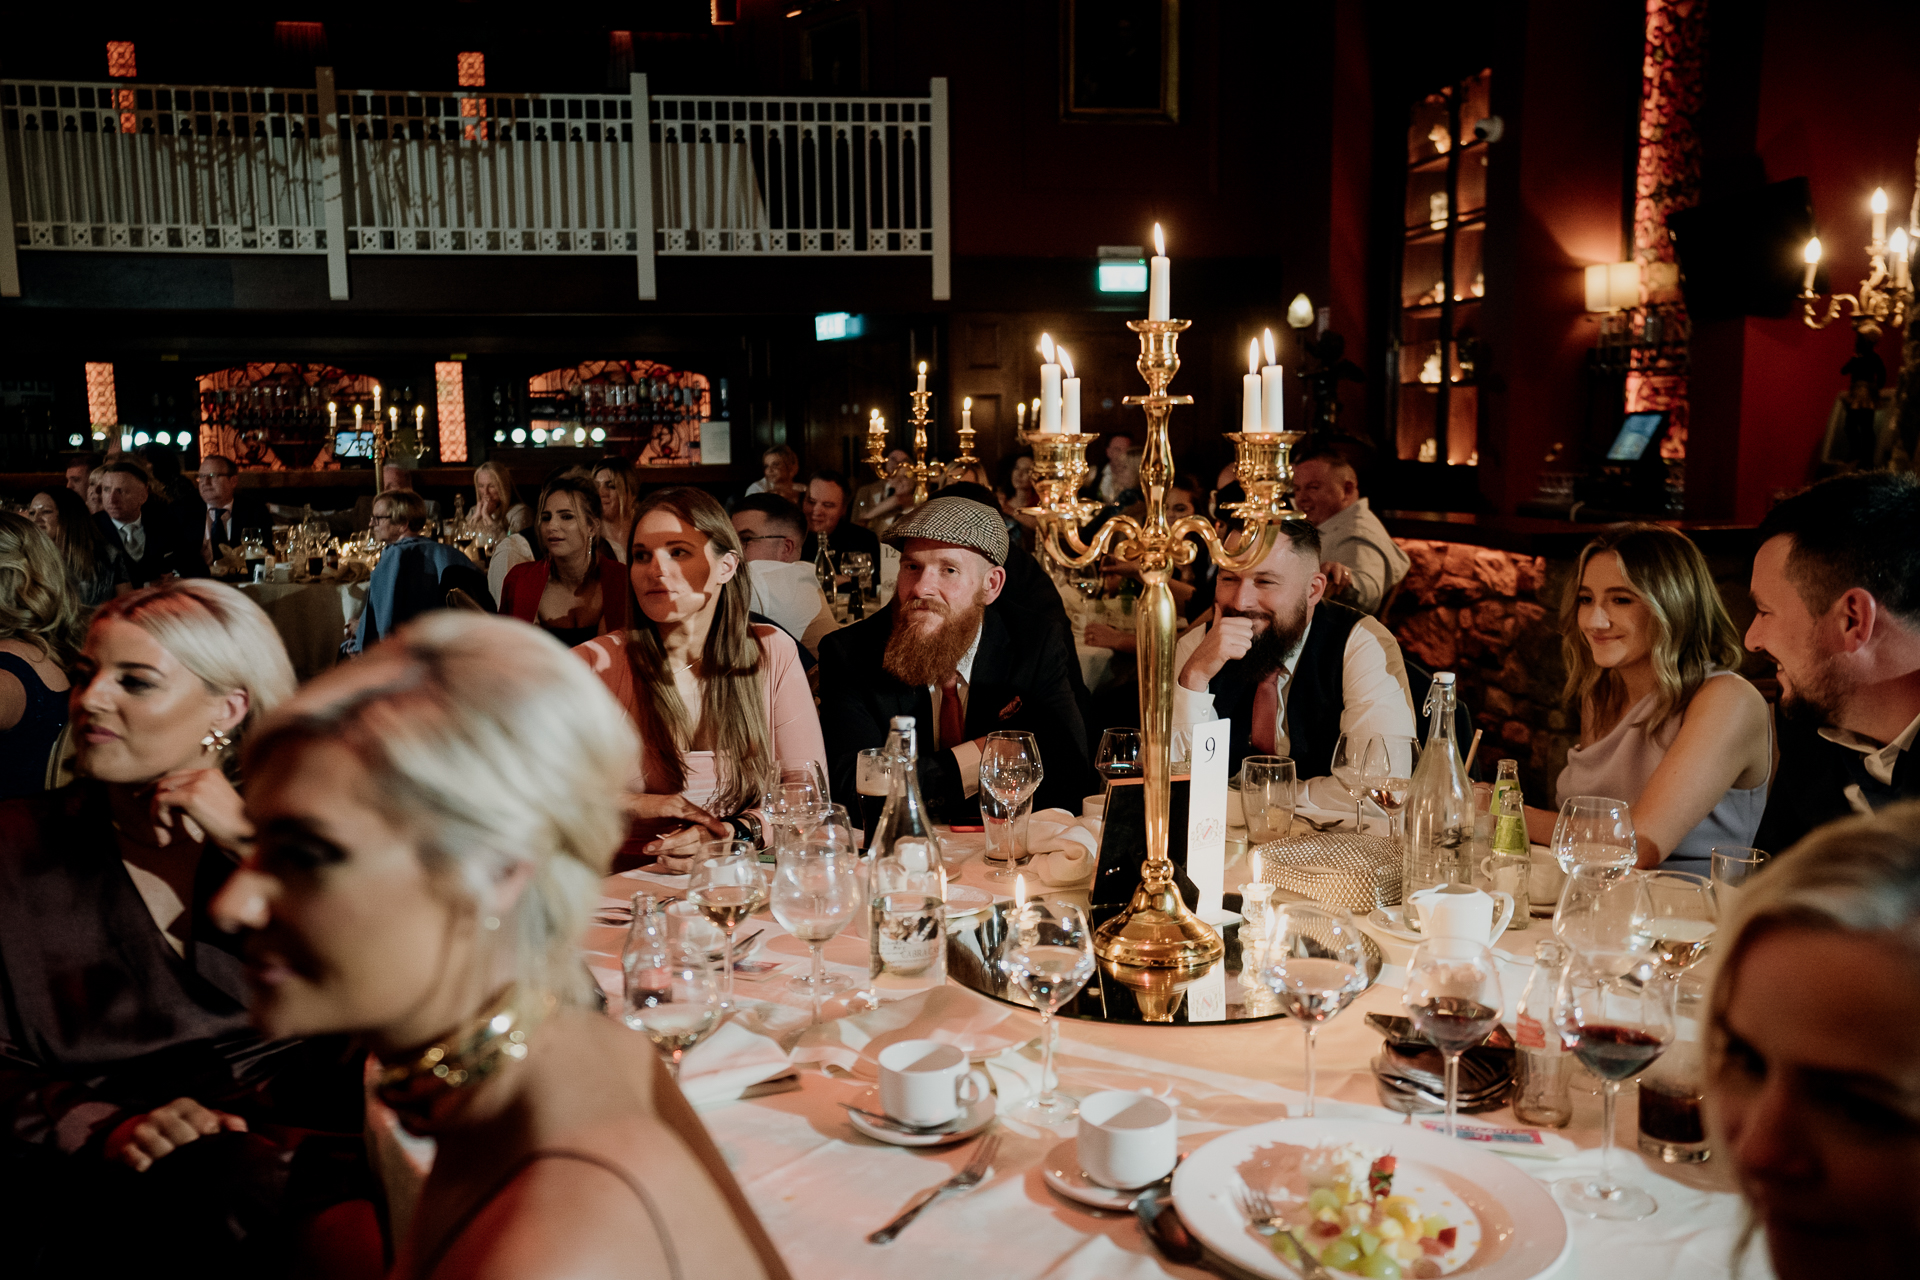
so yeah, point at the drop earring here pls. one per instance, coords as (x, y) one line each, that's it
(216, 740)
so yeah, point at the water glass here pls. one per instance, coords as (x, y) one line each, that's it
(1600, 910)
(1049, 954)
(1269, 791)
(1315, 964)
(1010, 772)
(816, 891)
(1732, 867)
(676, 1006)
(728, 888)
(1673, 1089)
(1594, 829)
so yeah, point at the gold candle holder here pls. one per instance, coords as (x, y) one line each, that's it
(923, 469)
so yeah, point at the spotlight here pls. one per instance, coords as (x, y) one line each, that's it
(139, 438)
(75, 438)
(599, 434)
(519, 435)
(184, 439)
(164, 437)
(539, 435)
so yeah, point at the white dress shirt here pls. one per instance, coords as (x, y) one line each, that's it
(1355, 538)
(1376, 698)
(508, 552)
(790, 594)
(1880, 760)
(967, 754)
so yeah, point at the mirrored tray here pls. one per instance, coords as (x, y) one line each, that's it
(1169, 997)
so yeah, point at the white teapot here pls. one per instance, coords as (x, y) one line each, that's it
(1460, 911)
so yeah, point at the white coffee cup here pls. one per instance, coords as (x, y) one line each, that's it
(925, 1082)
(1127, 1140)
(1094, 807)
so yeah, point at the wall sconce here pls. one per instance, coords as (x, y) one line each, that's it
(1613, 286)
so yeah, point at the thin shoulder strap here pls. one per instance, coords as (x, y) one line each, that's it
(519, 1167)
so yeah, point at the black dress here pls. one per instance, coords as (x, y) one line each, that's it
(100, 1021)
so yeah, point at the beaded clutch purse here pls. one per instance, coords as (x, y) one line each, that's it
(1335, 869)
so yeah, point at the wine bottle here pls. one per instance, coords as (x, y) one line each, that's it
(907, 913)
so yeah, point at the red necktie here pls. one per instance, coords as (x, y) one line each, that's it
(953, 717)
(1266, 714)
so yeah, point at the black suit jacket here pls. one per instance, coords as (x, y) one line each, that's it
(1020, 681)
(248, 511)
(1810, 786)
(168, 549)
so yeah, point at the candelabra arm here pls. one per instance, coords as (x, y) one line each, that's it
(1259, 543)
(1814, 321)
(1064, 545)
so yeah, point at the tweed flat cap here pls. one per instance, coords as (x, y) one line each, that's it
(960, 521)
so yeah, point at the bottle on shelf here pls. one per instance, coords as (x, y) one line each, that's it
(1440, 806)
(1541, 1065)
(907, 914)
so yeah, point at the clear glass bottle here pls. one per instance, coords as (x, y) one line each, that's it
(646, 955)
(1440, 805)
(1541, 1065)
(907, 915)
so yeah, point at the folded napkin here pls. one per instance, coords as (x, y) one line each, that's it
(971, 1023)
(729, 1062)
(1063, 846)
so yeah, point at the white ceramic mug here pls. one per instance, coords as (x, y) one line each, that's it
(925, 1082)
(1126, 1140)
(1461, 911)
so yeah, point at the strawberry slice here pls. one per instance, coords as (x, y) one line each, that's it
(1325, 1230)
(1380, 1176)
(1447, 1236)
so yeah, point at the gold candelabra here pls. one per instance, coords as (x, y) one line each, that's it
(1156, 930)
(1886, 295)
(923, 469)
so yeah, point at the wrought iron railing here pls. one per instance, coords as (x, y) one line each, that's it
(152, 168)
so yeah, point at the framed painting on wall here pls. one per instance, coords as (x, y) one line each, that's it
(1120, 60)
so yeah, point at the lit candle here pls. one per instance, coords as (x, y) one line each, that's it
(1159, 279)
(1273, 403)
(1812, 255)
(1033, 411)
(358, 411)
(1069, 394)
(419, 416)
(1879, 207)
(923, 377)
(1899, 246)
(376, 399)
(966, 414)
(1020, 415)
(1250, 390)
(393, 419)
(333, 416)
(1049, 386)
(1019, 891)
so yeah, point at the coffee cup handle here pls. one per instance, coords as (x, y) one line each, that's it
(980, 1086)
(1503, 917)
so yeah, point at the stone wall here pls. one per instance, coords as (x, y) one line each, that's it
(1491, 617)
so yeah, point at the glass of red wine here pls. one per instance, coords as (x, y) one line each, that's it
(1453, 997)
(1614, 1010)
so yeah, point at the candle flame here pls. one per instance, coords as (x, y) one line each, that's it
(1898, 242)
(1019, 892)
(1879, 200)
(1159, 242)
(1036, 408)
(967, 404)
(923, 366)
(1020, 412)
(1253, 356)
(419, 412)
(1269, 342)
(1812, 253)
(1046, 349)
(393, 414)
(1066, 362)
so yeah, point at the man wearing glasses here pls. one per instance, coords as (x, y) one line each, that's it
(228, 513)
(784, 589)
(408, 580)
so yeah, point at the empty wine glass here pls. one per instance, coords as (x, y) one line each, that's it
(1453, 996)
(1316, 964)
(1614, 1010)
(1599, 909)
(1594, 829)
(1350, 771)
(1676, 913)
(676, 1003)
(1049, 953)
(1732, 867)
(816, 890)
(1010, 772)
(1268, 794)
(728, 887)
(1119, 755)
(1387, 773)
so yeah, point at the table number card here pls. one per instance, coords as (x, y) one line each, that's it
(1207, 998)
(1207, 818)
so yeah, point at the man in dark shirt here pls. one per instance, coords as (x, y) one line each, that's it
(827, 504)
(960, 669)
(143, 528)
(226, 513)
(1836, 590)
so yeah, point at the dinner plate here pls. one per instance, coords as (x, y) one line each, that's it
(1509, 1226)
(975, 1118)
(964, 899)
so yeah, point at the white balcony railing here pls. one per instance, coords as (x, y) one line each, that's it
(166, 169)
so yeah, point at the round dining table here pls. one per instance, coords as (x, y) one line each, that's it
(311, 618)
(820, 1187)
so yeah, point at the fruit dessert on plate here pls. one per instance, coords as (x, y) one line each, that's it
(1352, 1221)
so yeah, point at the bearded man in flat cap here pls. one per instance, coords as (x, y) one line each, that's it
(961, 670)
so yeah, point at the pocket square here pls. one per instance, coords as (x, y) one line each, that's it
(1009, 711)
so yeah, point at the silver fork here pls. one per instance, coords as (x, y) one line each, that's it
(1262, 1218)
(965, 1180)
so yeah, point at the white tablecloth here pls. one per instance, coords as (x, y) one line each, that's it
(820, 1187)
(311, 618)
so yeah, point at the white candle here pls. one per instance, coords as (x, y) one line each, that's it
(376, 399)
(333, 415)
(1020, 413)
(966, 414)
(1069, 394)
(1812, 254)
(1900, 248)
(1879, 206)
(1159, 280)
(1273, 404)
(358, 411)
(1250, 390)
(1019, 891)
(1049, 387)
(923, 377)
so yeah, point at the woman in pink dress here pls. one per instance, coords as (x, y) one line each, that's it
(718, 701)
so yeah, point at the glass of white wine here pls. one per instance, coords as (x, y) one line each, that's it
(728, 888)
(676, 1005)
(1594, 829)
(1049, 953)
(1677, 914)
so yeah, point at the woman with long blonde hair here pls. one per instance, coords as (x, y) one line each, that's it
(1666, 724)
(717, 699)
(619, 486)
(39, 639)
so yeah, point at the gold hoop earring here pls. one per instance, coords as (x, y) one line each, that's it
(215, 741)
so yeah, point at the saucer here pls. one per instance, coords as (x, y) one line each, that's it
(971, 1121)
(1061, 1169)
(1392, 921)
(964, 899)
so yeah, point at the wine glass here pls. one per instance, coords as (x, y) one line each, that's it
(1119, 755)
(728, 887)
(1387, 773)
(1349, 770)
(1594, 829)
(1614, 1010)
(1453, 996)
(816, 890)
(859, 565)
(1010, 772)
(1676, 913)
(1599, 909)
(1049, 953)
(675, 1002)
(1268, 794)
(1316, 964)
(806, 771)
(1732, 867)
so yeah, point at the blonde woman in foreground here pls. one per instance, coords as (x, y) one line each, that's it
(1814, 1049)
(432, 825)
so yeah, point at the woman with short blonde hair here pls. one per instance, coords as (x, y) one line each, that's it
(1666, 723)
(434, 822)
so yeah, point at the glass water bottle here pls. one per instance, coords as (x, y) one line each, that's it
(907, 916)
(1440, 807)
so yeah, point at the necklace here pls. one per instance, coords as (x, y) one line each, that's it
(423, 1087)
